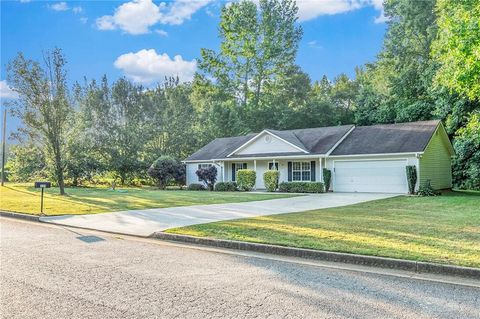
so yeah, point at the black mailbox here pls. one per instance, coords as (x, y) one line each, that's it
(43, 184)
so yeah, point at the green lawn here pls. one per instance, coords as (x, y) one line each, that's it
(443, 229)
(26, 199)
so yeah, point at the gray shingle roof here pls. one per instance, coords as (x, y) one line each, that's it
(375, 139)
(387, 138)
(314, 140)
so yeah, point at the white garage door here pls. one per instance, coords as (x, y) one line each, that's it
(370, 176)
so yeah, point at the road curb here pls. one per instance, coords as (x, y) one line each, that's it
(32, 218)
(373, 261)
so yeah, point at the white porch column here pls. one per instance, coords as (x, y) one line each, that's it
(255, 169)
(320, 172)
(223, 171)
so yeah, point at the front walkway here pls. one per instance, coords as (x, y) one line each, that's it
(147, 221)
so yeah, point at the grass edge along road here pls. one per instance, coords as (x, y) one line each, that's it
(443, 229)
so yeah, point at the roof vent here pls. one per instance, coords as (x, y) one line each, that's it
(267, 138)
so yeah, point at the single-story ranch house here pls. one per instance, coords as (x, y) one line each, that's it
(361, 158)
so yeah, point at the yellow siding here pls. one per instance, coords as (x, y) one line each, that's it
(435, 164)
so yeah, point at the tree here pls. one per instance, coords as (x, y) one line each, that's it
(165, 169)
(44, 104)
(457, 46)
(208, 176)
(466, 165)
(26, 162)
(257, 45)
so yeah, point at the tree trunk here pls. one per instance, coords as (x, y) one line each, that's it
(59, 168)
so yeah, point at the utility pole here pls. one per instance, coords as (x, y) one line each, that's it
(4, 155)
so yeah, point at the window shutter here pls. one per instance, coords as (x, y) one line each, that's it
(198, 177)
(312, 171)
(233, 172)
(289, 171)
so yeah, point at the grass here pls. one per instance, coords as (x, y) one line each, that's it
(26, 199)
(442, 229)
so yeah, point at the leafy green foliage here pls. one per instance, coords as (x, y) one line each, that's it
(426, 189)
(27, 163)
(411, 171)
(166, 169)
(327, 178)
(246, 179)
(301, 187)
(196, 187)
(466, 164)
(43, 105)
(457, 46)
(226, 187)
(270, 178)
(208, 175)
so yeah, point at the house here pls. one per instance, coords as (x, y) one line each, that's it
(361, 158)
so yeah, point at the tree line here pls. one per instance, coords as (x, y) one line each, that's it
(103, 130)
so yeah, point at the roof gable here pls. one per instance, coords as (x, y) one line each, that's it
(268, 142)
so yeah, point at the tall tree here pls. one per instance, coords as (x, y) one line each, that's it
(457, 47)
(257, 45)
(44, 104)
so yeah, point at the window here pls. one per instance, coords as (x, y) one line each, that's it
(301, 171)
(236, 167)
(271, 165)
(203, 166)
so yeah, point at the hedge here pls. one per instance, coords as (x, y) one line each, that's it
(301, 187)
(246, 179)
(270, 178)
(327, 178)
(411, 178)
(196, 187)
(226, 187)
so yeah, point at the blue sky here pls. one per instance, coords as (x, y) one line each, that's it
(145, 40)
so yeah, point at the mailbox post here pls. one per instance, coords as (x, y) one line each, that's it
(42, 185)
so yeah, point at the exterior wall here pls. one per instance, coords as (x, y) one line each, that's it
(435, 163)
(409, 160)
(192, 168)
(260, 146)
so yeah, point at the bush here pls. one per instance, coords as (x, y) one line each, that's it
(411, 178)
(270, 178)
(208, 176)
(426, 189)
(301, 187)
(196, 187)
(166, 169)
(327, 178)
(226, 187)
(246, 179)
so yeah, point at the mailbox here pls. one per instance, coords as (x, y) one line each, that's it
(43, 184)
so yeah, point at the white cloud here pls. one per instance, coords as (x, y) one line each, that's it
(310, 9)
(6, 92)
(77, 10)
(314, 44)
(59, 6)
(146, 66)
(25, 1)
(161, 32)
(83, 20)
(137, 16)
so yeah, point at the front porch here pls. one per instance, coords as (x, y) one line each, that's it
(301, 169)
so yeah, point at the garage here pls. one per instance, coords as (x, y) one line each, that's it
(378, 176)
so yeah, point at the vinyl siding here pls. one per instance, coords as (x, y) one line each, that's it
(436, 164)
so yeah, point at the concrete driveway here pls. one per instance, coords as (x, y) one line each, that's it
(145, 222)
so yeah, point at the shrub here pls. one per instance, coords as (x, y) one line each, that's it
(246, 179)
(226, 187)
(301, 187)
(196, 187)
(166, 169)
(327, 178)
(426, 189)
(270, 178)
(411, 178)
(208, 176)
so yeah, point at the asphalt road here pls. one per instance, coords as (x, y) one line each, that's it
(53, 272)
